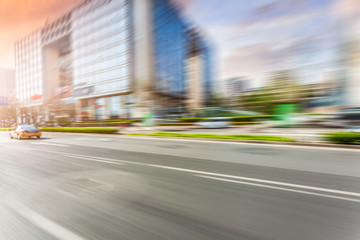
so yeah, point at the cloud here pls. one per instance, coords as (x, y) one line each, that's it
(347, 13)
(270, 55)
(20, 17)
(278, 22)
(184, 4)
(347, 9)
(27, 12)
(252, 59)
(277, 7)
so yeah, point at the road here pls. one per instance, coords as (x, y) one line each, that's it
(91, 187)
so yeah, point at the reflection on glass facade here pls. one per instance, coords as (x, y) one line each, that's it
(100, 109)
(169, 49)
(100, 49)
(28, 70)
(115, 105)
(208, 68)
(101, 43)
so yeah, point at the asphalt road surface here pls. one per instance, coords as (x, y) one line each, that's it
(92, 187)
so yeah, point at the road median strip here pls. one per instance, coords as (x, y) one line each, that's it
(259, 139)
(82, 130)
(214, 136)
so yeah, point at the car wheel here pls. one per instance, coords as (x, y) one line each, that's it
(38, 137)
(18, 137)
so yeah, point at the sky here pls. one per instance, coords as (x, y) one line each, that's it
(18, 18)
(257, 37)
(250, 38)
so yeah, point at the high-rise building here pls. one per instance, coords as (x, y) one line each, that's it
(234, 87)
(7, 97)
(112, 59)
(7, 83)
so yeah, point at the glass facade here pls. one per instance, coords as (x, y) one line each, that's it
(101, 43)
(96, 55)
(28, 74)
(100, 109)
(169, 49)
(208, 68)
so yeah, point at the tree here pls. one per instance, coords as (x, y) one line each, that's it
(8, 114)
(60, 108)
(281, 88)
(216, 101)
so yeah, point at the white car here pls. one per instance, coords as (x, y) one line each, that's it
(215, 122)
(354, 129)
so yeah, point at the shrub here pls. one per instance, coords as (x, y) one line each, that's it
(90, 124)
(235, 119)
(194, 123)
(343, 138)
(177, 124)
(103, 123)
(110, 121)
(252, 118)
(242, 123)
(64, 123)
(190, 120)
(5, 129)
(82, 130)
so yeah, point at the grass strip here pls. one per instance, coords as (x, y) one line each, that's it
(214, 136)
(5, 129)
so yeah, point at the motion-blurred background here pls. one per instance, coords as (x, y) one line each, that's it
(76, 62)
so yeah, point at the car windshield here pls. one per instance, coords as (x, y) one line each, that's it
(29, 128)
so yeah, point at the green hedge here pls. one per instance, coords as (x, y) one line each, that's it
(88, 124)
(190, 120)
(214, 136)
(5, 129)
(235, 119)
(194, 123)
(82, 130)
(343, 138)
(111, 121)
(177, 124)
(242, 123)
(252, 118)
(100, 123)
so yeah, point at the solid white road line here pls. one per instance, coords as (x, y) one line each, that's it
(94, 159)
(270, 145)
(45, 224)
(120, 162)
(281, 188)
(260, 180)
(51, 144)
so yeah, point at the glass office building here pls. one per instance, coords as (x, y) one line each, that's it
(169, 49)
(28, 65)
(110, 59)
